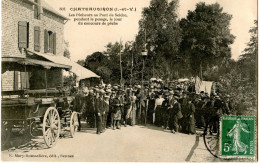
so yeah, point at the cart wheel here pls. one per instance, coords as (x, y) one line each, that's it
(73, 123)
(35, 129)
(51, 126)
(5, 133)
(211, 138)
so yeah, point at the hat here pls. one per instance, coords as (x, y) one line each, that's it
(102, 91)
(166, 93)
(171, 92)
(176, 97)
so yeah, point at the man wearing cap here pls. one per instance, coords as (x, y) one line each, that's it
(199, 115)
(165, 110)
(111, 107)
(175, 115)
(184, 110)
(79, 105)
(106, 110)
(127, 106)
(151, 104)
(191, 119)
(227, 105)
(99, 112)
(90, 111)
(116, 111)
(122, 109)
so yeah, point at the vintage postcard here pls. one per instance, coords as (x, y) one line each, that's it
(129, 80)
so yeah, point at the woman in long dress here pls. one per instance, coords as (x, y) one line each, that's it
(133, 109)
(235, 132)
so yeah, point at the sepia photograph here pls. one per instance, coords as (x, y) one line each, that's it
(129, 81)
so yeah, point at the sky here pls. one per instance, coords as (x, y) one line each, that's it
(86, 39)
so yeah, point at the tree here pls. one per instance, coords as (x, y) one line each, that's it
(206, 37)
(248, 60)
(160, 35)
(239, 78)
(81, 62)
(66, 51)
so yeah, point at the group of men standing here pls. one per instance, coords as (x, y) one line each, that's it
(174, 109)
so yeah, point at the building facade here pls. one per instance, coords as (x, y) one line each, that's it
(29, 26)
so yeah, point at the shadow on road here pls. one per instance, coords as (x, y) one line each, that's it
(24, 143)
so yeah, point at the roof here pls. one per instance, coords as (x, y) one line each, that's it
(49, 8)
(34, 62)
(82, 72)
(77, 69)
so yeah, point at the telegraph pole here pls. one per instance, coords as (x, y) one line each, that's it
(121, 77)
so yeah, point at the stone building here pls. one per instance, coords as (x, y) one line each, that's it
(32, 34)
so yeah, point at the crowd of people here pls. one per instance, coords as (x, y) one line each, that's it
(176, 108)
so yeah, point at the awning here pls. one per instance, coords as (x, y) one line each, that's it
(80, 71)
(34, 62)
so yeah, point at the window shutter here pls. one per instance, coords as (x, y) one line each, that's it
(51, 43)
(46, 37)
(37, 39)
(16, 80)
(25, 80)
(23, 34)
(54, 43)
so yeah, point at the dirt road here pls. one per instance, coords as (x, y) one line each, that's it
(130, 144)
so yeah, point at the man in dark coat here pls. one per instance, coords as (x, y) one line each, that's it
(106, 110)
(165, 111)
(175, 115)
(185, 119)
(191, 117)
(127, 105)
(90, 111)
(99, 111)
(116, 111)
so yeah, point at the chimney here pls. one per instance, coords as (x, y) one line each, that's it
(40, 7)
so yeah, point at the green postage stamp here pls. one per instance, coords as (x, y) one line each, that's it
(237, 137)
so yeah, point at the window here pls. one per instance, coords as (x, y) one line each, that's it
(49, 42)
(23, 34)
(21, 80)
(37, 39)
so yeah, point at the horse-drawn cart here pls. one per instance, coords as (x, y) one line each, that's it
(39, 112)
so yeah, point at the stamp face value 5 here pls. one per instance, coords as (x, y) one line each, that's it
(237, 137)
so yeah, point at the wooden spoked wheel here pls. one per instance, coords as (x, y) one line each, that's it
(51, 126)
(5, 133)
(211, 138)
(73, 123)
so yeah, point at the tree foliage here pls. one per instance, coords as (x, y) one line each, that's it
(206, 36)
(160, 34)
